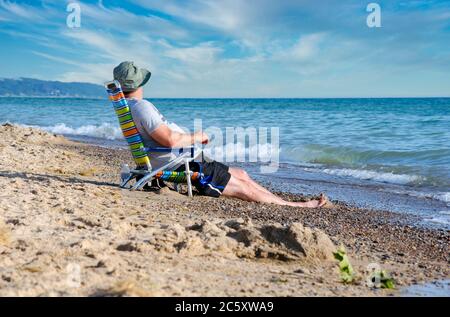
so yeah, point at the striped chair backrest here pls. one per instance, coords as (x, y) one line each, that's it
(129, 130)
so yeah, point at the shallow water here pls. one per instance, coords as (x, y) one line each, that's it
(433, 289)
(383, 153)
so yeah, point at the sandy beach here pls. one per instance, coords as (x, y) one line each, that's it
(67, 229)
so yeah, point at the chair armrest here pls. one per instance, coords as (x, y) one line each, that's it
(168, 150)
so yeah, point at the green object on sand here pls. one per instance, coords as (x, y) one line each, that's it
(380, 278)
(386, 281)
(345, 268)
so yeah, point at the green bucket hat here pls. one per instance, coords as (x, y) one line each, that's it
(130, 76)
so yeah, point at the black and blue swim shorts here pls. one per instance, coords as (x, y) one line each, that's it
(216, 177)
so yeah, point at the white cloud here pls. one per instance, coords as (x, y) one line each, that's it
(230, 47)
(91, 73)
(23, 11)
(205, 53)
(56, 58)
(307, 46)
(100, 41)
(226, 15)
(115, 49)
(124, 21)
(305, 49)
(18, 13)
(85, 72)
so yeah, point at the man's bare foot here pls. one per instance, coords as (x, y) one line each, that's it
(313, 203)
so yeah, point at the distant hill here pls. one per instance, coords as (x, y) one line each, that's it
(28, 87)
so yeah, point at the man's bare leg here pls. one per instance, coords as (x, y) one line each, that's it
(242, 174)
(246, 190)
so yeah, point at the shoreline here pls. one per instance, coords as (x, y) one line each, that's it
(70, 210)
(361, 193)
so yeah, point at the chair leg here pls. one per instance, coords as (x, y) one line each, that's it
(141, 183)
(188, 178)
(127, 180)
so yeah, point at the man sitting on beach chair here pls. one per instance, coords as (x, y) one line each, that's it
(156, 131)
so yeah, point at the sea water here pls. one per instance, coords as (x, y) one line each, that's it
(391, 154)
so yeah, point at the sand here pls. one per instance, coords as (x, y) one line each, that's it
(67, 229)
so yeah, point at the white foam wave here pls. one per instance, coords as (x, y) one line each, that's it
(239, 152)
(442, 196)
(105, 130)
(443, 218)
(401, 179)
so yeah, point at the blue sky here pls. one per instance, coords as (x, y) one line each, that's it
(236, 48)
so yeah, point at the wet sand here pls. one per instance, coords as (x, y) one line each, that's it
(66, 228)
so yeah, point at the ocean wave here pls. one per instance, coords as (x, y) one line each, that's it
(384, 177)
(353, 157)
(442, 218)
(231, 152)
(240, 153)
(439, 220)
(104, 131)
(442, 196)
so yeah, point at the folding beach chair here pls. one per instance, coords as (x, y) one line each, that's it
(143, 173)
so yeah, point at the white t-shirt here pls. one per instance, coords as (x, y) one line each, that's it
(147, 119)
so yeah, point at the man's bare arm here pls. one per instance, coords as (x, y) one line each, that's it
(168, 138)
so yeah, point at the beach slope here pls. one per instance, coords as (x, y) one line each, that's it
(66, 229)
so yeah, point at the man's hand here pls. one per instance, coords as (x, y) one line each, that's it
(201, 137)
(168, 138)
